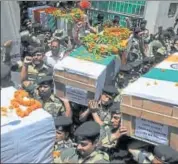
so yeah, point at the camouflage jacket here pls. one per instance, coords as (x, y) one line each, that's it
(59, 146)
(33, 72)
(106, 139)
(54, 106)
(70, 156)
(104, 114)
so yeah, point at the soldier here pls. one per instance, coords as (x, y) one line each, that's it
(87, 136)
(63, 141)
(164, 154)
(106, 100)
(110, 131)
(50, 102)
(33, 66)
(116, 21)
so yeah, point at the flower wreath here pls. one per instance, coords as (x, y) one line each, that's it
(22, 98)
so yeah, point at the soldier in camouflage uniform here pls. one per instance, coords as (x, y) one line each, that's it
(87, 136)
(51, 103)
(111, 130)
(63, 141)
(106, 100)
(33, 68)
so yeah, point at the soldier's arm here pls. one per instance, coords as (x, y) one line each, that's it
(84, 115)
(97, 118)
(24, 72)
(68, 111)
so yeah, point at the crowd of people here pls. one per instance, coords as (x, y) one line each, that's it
(92, 134)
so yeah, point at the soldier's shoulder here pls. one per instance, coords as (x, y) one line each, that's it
(56, 99)
(101, 156)
(68, 153)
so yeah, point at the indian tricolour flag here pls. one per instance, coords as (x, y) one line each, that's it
(159, 84)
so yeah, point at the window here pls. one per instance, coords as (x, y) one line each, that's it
(172, 9)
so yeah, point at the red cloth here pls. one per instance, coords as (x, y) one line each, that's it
(85, 4)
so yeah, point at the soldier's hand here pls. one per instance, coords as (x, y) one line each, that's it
(120, 132)
(28, 60)
(8, 43)
(93, 105)
(64, 99)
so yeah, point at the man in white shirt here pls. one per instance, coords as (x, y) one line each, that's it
(57, 53)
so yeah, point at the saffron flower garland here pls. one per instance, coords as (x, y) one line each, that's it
(22, 98)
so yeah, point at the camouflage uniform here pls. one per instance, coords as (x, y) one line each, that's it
(70, 156)
(103, 111)
(34, 72)
(104, 114)
(106, 136)
(62, 124)
(85, 132)
(54, 106)
(59, 146)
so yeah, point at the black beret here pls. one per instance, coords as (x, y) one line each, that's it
(88, 129)
(166, 154)
(110, 89)
(37, 50)
(62, 121)
(115, 108)
(45, 79)
(5, 70)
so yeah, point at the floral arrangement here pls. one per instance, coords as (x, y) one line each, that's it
(74, 15)
(22, 98)
(111, 41)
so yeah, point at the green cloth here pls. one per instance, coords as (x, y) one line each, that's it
(159, 74)
(82, 53)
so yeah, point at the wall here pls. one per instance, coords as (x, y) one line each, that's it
(156, 13)
(10, 24)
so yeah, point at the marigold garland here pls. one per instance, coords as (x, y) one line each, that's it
(22, 97)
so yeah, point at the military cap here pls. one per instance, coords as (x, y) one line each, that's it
(5, 70)
(110, 90)
(62, 122)
(166, 154)
(115, 108)
(37, 50)
(45, 79)
(89, 129)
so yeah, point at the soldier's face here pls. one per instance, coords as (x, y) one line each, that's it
(44, 90)
(84, 148)
(105, 99)
(37, 58)
(60, 136)
(115, 120)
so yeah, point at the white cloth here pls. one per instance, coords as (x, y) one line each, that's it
(29, 139)
(51, 60)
